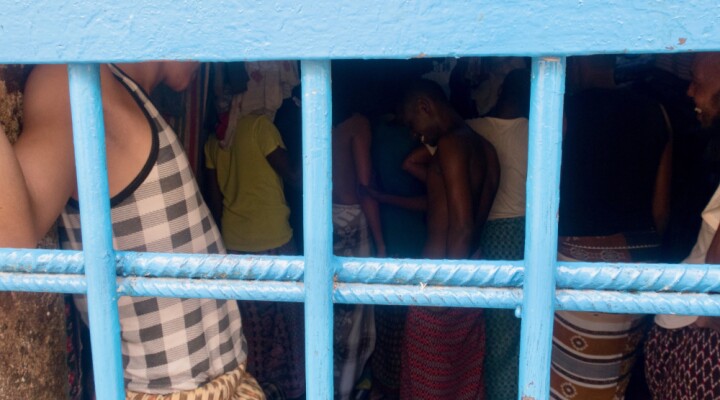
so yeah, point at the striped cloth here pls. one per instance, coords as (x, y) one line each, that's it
(235, 385)
(594, 353)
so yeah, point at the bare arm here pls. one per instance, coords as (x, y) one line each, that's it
(215, 196)
(361, 142)
(487, 197)
(280, 162)
(416, 163)
(417, 203)
(15, 213)
(39, 172)
(453, 160)
(661, 195)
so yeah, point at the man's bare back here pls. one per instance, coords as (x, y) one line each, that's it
(346, 135)
(352, 170)
(462, 178)
(462, 174)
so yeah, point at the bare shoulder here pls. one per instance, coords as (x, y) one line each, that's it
(357, 124)
(457, 142)
(46, 97)
(48, 79)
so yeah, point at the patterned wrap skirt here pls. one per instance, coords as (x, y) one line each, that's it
(594, 353)
(683, 364)
(502, 239)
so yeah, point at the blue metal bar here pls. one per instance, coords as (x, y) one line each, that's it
(316, 124)
(703, 278)
(42, 261)
(431, 272)
(700, 278)
(89, 140)
(639, 303)
(418, 295)
(55, 283)
(289, 29)
(543, 186)
(569, 300)
(230, 266)
(212, 289)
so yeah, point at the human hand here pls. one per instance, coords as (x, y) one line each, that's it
(365, 191)
(380, 251)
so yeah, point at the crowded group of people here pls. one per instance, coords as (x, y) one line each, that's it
(429, 160)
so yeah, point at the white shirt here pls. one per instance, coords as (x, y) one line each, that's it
(510, 139)
(711, 219)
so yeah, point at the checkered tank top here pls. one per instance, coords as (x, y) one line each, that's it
(167, 344)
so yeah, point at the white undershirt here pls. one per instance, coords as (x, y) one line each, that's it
(711, 218)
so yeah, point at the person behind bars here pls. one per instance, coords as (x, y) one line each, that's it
(171, 348)
(442, 355)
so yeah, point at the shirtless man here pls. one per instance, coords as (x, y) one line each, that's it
(443, 352)
(355, 218)
(154, 207)
(352, 169)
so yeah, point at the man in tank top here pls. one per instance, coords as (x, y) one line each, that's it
(171, 347)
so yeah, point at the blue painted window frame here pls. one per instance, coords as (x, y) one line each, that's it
(83, 33)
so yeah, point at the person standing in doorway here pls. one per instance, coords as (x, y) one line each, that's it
(442, 356)
(683, 352)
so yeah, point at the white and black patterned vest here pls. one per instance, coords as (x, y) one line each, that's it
(167, 344)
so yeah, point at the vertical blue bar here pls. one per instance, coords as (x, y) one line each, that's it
(543, 187)
(89, 138)
(319, 260)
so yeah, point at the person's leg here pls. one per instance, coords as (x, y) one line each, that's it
(502, 239)
(275, 336)
(442, 355)
(683, 364)
(354, 324)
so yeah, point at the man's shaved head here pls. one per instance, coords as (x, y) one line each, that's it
(423, 103)
(705, 87)
(424, 88)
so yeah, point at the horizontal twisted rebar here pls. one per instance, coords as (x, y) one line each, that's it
(577, 276)
(42, 261)
(231, 266)
(431, 272)
(54, 283)
(420, 295)
(212, 289)
(639, 277)
(638, 303)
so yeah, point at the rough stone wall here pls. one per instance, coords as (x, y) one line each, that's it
(32, 325)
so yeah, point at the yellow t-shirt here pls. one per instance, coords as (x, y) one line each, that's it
(255, 214)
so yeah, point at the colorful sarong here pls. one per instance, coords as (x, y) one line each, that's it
(683, 364)
(594, 353)
(275, 336)
(235, 385)
(351, 236)
(502, 239)
(354, 324)
(442, 356)
(385, 362)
